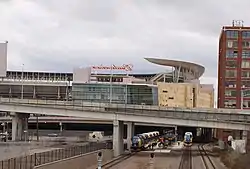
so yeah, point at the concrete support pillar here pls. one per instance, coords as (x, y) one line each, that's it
(34, 92)
(176, 134)
(58, 92)
(19, 126)
(130, 134)
(10, 92)
(244, 135)
(118, 145)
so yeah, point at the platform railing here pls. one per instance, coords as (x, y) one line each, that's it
(29, 161)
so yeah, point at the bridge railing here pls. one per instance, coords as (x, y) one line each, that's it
(227, 115)
(29, 161)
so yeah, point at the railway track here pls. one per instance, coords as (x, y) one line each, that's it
(186, 159)
(117, 160)
(205, 158)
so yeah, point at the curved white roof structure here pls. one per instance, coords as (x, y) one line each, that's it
(182, 69)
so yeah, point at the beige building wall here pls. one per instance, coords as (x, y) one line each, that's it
(186, 95)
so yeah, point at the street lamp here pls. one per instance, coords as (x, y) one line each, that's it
(22, 82)
(110, 85)
(244, 93)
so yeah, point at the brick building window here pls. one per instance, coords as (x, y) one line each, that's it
(230, 93)
(230, 103)
(245, 64)
(245, 84)
(246, 44)
(245, 34)
(231, 63)
(232, 34)
(231, 84)
(232, 44)
(231, 54)
(245, 73)
(245, 54)
(231, 73)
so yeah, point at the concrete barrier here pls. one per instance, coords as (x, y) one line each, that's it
(78, 162)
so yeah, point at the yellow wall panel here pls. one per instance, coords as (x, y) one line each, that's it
(181, 95)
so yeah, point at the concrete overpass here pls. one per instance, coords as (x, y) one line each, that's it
(210, 118)
(58, 119)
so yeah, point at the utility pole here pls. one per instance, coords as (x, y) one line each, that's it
(22, 82)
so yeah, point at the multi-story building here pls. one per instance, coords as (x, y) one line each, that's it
(234, 71)
(234, 66)
(178, 88)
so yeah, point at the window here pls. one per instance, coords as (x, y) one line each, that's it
(230, 93)
(230, 103)
(230, 73)
(245, 34)
(232, 54)
(245, 44)
(245, 73)
(231, 63)
(245, 64)
(232, 44)
(231, 84)
(232, 34)
(245, 84)
(246, 103)
(245, 54)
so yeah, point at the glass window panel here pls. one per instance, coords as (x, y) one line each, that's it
(245, 54)
(230, 103)
(245, 64)
(245, 34)
(231, 84)
(245, 73)
(246, 44)
(230, 73)
(232, 34)
(245, 84)
(231, 54)
(232, 44)
(231, 63)
(230, 93)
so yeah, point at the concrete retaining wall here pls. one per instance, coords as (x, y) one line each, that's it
(78, 162)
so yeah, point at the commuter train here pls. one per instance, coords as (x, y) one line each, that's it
(170, 136)
(145, 140)
(188, 139)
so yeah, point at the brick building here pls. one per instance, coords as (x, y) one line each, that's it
(234, 70)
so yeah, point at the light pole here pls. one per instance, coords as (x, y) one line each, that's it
(110, 86)
(22, 83)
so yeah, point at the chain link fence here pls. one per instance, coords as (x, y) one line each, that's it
(29, 161)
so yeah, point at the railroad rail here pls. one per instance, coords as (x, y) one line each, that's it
(186, 159)
(206, 158)
(117, 160)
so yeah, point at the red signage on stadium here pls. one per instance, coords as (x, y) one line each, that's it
(125, 67)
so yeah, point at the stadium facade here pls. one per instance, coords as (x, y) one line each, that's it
(118, 86)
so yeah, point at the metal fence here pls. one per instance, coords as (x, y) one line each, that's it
(29, 161)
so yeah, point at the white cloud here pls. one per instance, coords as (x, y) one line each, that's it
(59, 35)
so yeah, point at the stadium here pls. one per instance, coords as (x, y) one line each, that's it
(58, 86)
(93, 83)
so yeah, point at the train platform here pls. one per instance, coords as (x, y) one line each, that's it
(176, 146)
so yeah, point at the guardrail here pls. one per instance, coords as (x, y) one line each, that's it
(218, 115)
(30, 161)
(119, 105)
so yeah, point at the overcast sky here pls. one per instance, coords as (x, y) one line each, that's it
(57, 35)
